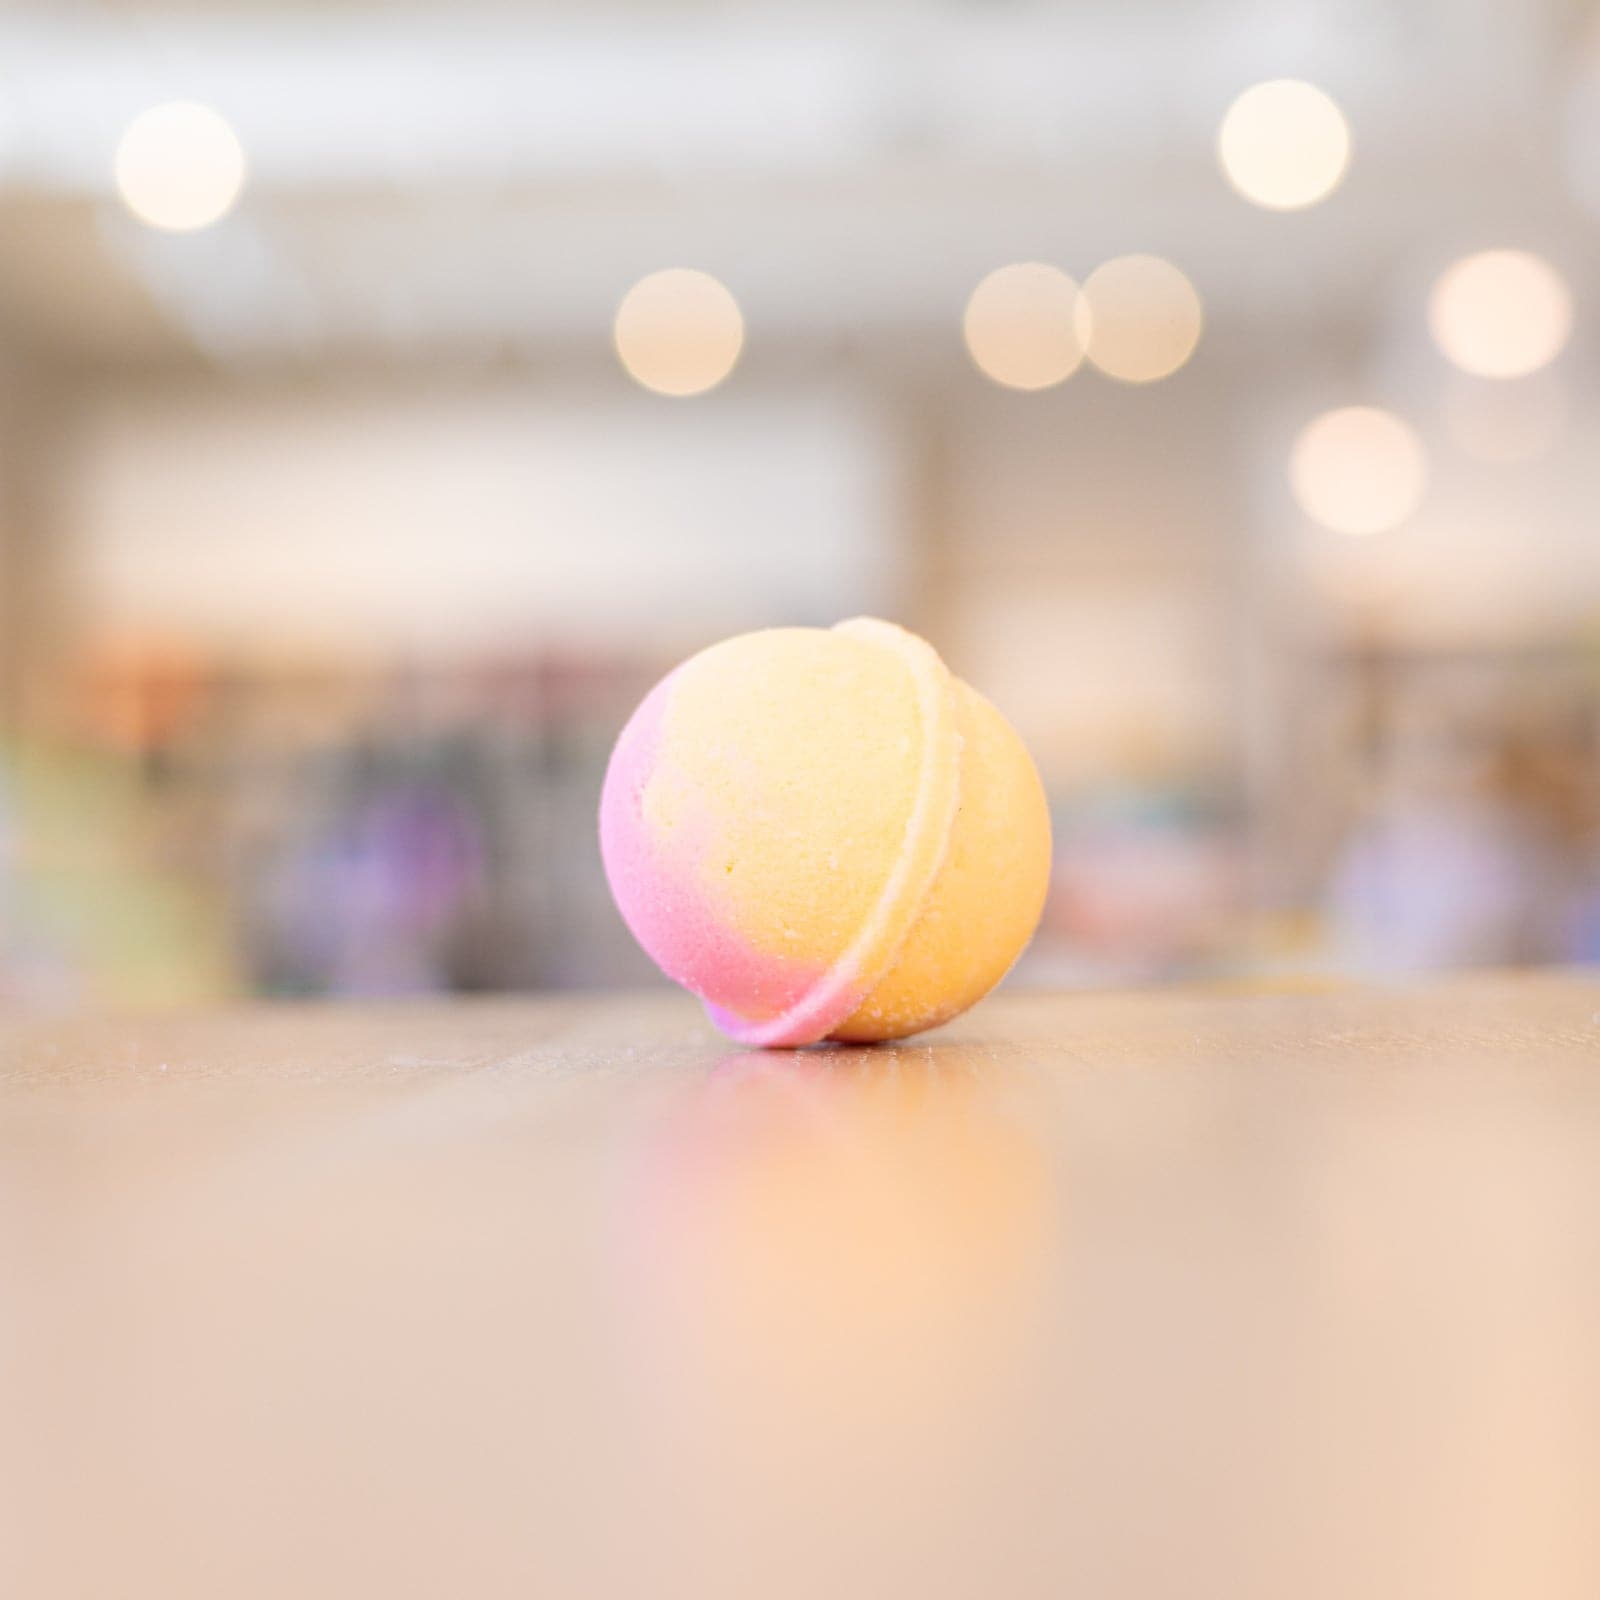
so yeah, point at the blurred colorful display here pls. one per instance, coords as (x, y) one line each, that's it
(210, 832)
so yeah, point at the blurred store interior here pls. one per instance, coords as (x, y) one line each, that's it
(389, 394)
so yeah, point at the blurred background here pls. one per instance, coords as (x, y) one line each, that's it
(388, 395)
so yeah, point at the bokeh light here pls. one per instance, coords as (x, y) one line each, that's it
(1358, 470)
(1021, 326)
(1139, 318)
(1284, 145)
(679, 332)
(180, 166)
(1501, 313)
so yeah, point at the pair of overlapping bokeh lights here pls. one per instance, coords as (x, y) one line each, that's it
(1285, 145)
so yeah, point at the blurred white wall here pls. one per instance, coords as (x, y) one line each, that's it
(506, 518)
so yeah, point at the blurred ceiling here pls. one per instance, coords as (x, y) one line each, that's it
(433, 179)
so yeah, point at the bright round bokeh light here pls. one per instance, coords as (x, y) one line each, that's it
(678, 332)
(179, 166)
(1139, 318)
(1358, 470)
(1284, 145)
(1021, 326)
(1501, 313)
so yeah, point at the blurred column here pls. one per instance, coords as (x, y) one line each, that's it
(932, 514)
(33, 589)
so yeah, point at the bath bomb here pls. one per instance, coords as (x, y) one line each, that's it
(824, 834)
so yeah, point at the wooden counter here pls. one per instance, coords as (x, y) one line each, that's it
(1166, 1295)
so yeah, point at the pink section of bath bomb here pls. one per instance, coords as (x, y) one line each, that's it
(658, 889)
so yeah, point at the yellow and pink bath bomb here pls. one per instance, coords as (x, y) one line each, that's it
(824, 834)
